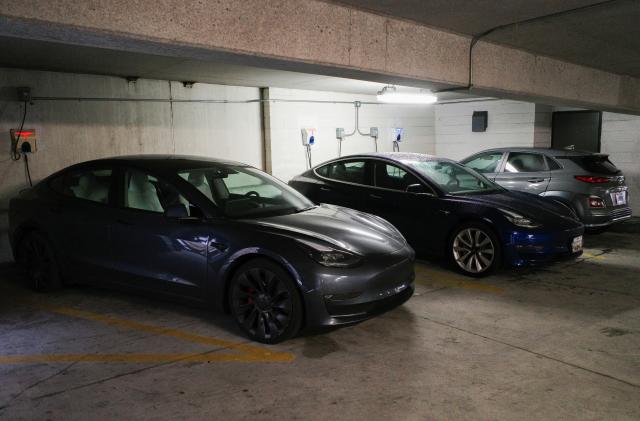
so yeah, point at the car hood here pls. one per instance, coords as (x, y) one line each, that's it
(541, 209)
(345, 228)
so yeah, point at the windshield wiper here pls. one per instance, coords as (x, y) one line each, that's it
(306, 209)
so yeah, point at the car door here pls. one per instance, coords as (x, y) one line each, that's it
(416, 214)
(524, 171)
(486, 163)
(155, 251)
(344, 183)
(81, 218)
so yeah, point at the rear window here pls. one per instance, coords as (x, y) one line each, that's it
(594, 164)
(349, 171)
(92, 184)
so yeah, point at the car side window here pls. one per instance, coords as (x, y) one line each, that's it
(553, 164)
(143, 191)
(485, 163)
(93, 185)
(392, 177)
(525, 162)
(349, 171)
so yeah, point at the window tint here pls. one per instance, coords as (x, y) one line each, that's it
(485, 163)
(245, 192)
(454, 178)
(145, 192)
(350, 171)
(525, 162)
(323, 171)
(599, 164)
(553, 164)
(93, 185)
(392, 177)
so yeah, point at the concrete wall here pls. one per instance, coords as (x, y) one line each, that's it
(510, 123)
(287, 118)
(621, 140)
(71, 131)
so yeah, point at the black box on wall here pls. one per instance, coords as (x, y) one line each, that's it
(479, 121)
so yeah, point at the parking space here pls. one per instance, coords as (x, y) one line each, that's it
(554, 342)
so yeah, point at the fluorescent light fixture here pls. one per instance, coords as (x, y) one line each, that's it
(389, 94)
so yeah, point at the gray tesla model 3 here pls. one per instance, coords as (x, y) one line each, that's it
(214, 232)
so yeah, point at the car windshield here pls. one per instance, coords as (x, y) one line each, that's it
(245, 192)
(453, 178)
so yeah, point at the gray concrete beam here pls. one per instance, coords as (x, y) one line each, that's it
(316, 37)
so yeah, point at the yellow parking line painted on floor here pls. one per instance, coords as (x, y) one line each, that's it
(434, 278)
(245, 352)
(586, 255)
(250, 350)
(134, 358)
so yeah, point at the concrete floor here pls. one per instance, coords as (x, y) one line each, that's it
(560, 342)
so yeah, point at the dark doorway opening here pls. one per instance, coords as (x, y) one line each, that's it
(578, 129)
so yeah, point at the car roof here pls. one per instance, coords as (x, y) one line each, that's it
(399, 157)
(545, 151)
(164, 162)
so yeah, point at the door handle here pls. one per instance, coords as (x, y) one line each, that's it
(219, 246)
(535, 180)
(325, 189)
(375, 196)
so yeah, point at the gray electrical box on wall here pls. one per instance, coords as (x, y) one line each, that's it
(479, 121)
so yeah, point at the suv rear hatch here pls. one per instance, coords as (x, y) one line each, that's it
(603, 177)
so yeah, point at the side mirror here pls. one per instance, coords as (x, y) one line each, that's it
(417, 189)
(177, 211)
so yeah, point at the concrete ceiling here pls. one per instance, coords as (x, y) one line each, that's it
(604, 36)
(40, 55)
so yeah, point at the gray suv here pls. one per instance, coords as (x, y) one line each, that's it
(586, 182)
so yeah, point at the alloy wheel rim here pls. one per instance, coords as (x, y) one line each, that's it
(473, 250)
(261, 303)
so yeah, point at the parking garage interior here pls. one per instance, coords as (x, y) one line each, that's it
(251, 82)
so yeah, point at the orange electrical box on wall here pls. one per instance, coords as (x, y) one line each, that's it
(18, 137)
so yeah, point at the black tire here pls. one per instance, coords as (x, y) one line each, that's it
(265, 302)
(38, 260)
(469, 248)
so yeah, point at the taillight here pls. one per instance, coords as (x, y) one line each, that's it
(596, 202)
(593, 180)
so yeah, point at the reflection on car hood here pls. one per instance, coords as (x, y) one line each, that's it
(541, 209)
(349, 229)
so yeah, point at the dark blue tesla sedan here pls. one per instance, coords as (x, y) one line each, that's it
(213, 232)
(443, 208)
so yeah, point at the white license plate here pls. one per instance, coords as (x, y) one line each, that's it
(619, 198)
(576, 244)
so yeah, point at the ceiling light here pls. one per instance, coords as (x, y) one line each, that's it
(391, 95)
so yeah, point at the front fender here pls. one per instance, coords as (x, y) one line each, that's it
(224, 274)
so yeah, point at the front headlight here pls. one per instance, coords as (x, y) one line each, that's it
(519, 220)
(328, 255)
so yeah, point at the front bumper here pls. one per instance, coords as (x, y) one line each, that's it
(537, 247)
(349, 296)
